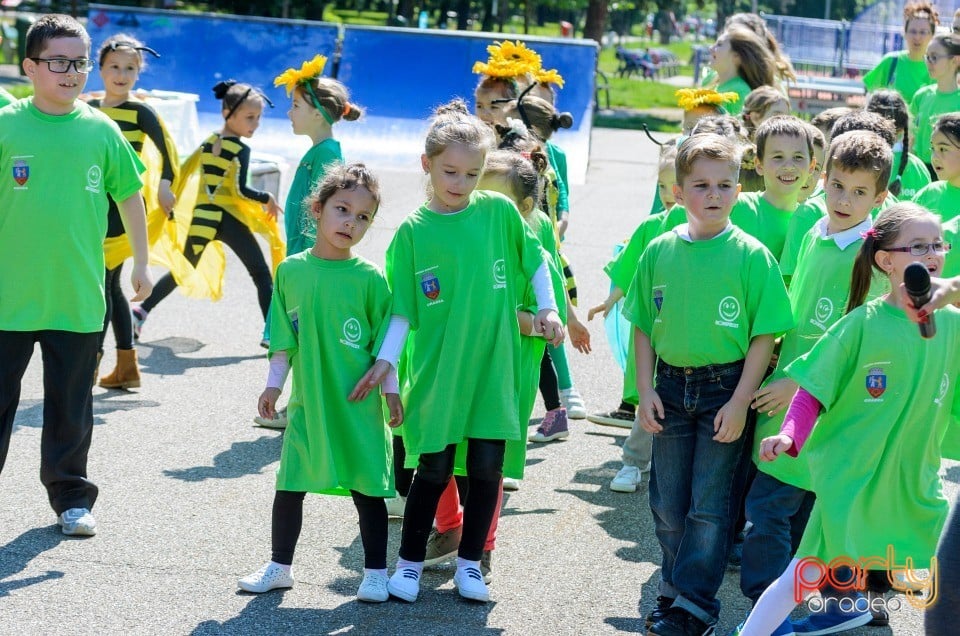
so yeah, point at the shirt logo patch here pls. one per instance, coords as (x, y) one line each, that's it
(658, 299)
(729, 310)
(430, 285)
(94, 179)
(822, 312)
(876, 382)
(499, 274)
(21, 172)
(351, 333)
(944, 387)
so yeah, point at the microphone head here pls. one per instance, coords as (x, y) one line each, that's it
(916, 279)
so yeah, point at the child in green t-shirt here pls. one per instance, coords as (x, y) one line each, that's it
(331, 445)
(56, 205)
(939, 98)
(876, 402)
(743, 62)
(905, 71)
(778, 502)
(811, 187)
(459, 309)
(709, 333)
(909, 174)
(943, 196)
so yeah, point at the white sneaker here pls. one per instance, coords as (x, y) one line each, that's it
(395, 506)
(510, 484)
(279, 422)
(404, 584)
(269, 577)
(571, 400)
(469, 582)
(626, 480)
(373, 588)
(77, 522)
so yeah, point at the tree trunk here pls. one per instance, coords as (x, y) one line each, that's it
(596, 20)
(463, 14)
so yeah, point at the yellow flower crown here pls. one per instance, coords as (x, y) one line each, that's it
(509, 60)
(690, 98)
(291, 77)
(548, 77)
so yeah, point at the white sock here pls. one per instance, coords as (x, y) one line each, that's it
(381, 572)
(286, 568)
(774, 605)
(412, 565)
(463, 564)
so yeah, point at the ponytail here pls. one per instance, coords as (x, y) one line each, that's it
(862, 273)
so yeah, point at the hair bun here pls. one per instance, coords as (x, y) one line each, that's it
(562, 120)
(455, 106)
(220, 88)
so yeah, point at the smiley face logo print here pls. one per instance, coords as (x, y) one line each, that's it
(729, 310)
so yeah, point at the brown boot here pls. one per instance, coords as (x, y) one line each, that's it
(126, 375)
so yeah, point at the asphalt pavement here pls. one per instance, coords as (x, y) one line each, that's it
(186, 483)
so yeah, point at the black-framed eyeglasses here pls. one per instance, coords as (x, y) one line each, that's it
(62, 65)
(922, 249)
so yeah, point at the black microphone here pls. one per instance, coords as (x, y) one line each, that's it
(916, 279)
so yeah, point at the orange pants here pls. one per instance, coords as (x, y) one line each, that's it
(450, 514)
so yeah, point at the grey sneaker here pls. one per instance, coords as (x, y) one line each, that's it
(77, 522)
(279, 422)
(395, 506)
(553, 426)
(442, 545)
(269, 577)
(617, 417)
(571, 400)
(510, 484)
(627, 479)
(486, 566)
(373, 588)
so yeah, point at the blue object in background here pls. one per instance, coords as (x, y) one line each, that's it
(618, 328)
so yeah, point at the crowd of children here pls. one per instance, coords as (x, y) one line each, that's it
(801, 341)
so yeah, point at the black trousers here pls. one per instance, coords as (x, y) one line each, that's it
(68, 362)
(484, 471)
(238, 238)
(118, 311)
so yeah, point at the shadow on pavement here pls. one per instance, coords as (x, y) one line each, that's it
(242, 458)
(30, 412)
(162, 357)
(19, 552)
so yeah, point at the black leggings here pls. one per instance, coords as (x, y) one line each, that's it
(549, 387)
(484, 471)
(288, 519)
(118, 311)
(402, 477)
(240, 239)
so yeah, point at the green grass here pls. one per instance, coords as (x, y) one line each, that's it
(20, 90)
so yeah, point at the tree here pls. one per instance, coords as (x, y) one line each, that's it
(596, 20)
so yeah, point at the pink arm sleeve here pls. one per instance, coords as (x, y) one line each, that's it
(799, 420)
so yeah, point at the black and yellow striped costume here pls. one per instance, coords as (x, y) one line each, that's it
(548, 203)
(214, 197)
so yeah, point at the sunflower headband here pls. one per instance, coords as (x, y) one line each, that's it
(509, 60)
(690, 98)
(309, 71)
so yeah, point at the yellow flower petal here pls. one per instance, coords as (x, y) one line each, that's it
(311, 69)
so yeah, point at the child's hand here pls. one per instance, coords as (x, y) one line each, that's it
(396, 410)
(774, 397)
(166, 198)
(548, 323)
(273, 209)
(729, 422)
(649, 409)
(579, 336)
(370, 380)
(267, 404)
(604, 307)
(773, 447)
(141, 282)
(562, 224)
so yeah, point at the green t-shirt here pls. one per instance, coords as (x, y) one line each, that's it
(453, 277)
(908, 76)
(53, 214)
(697, 313)
(940, 198)
(623, 267)
(819, 291)
(888, 397)
(951, 234)
(753, 214)
(926, 107)
(558, 161)
(915, 175)
(738, 85)
(330, 317)
(6, 98)
(309, 173)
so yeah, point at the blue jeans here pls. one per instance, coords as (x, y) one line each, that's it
(779, 514)
(690, 484)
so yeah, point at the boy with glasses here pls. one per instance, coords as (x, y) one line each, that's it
(60, 158)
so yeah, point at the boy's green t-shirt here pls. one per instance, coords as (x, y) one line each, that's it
(819, 291)
(753, 214)
(453, 278)
(5, 97)
(915, 175)
(53, 214)
(940, 198)
(926, 107)
(888, 399)
(738, 85)
(330, 317)
(702, 302)
(309, 172)
(908, 76)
